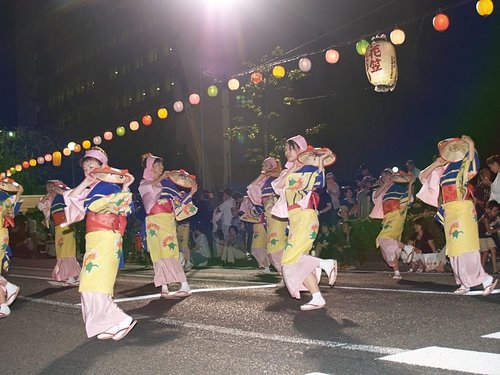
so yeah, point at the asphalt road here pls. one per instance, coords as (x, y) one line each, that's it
(240, 321)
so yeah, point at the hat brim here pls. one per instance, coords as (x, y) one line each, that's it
(112, 175)
(311, 156)
(453, 149)
(182, 178)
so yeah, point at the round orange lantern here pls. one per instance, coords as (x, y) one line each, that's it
(19, 168)
(484, 7)
(147, 120)
(441, 22)
(108, 136)
(66, 151)
(26, 164)
(134, 125)
(194, 99)
(332, 56)
(77, 148)
(56, 158)
(256, 78)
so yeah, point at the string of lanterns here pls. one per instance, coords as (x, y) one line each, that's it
(380, 67)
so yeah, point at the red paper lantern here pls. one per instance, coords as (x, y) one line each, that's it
(256, 78)
(108, 136)
(332, 56)
(194, 99)
(441, 22)
(147, 120)
(26, 164)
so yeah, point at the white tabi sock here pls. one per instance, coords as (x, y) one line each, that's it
(4, 309)
(317, 299)
(488, 281)
(185, 286)
(11, 288)
(164, 288)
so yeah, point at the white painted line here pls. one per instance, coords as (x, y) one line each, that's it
(479, 292)
(279, 338)
(31, 277)
(31, 268)
(387, 290)
(158, 295)
(49, 302)
(450, 359)
(495, 335)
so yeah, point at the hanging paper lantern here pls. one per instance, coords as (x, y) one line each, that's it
(361, 46)
(19, 168)
(26, 164)
(56, 158)
(162, 113)
(77, 148)
(332, 56)
(441, 22)
(397, 36)
(9, 172)
(97, 140)
(233, 84)
(256, 78)
(2, 175)
(212, 91)
(120, 131)
(147, 120)
(12, 170)
(194, 99)
(108, 135)
(305, 64)
(381, 65)
(71, 146)
(48, 157)
(66, 151)
(86, 144)
(40, 160)
(134, 126)
(32, 162)
(484, 7)
(178, 106)
(279, 71)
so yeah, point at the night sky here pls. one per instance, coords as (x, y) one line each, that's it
(447, 83)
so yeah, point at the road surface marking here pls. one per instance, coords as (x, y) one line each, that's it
(30, 277)
(279, 338)
(158, 295)
(449, 359)
(495, 335)
(471, 293)
(48, 302)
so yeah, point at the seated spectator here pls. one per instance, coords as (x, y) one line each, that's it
(494, 166)
(218, 247)
(233, 247)
(346, 253)
(200, 254)
(487, 229)
(425, 253)
(324, 246)
(362, 173)
(349, 201)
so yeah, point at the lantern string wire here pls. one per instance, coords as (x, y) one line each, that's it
(281, 60)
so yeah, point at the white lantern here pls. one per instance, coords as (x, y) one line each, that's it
(305, 64)
(397, 37)
(381, 65)
(97, 140)
(178, 106)
(233, 84)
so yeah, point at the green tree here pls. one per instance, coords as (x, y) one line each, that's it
(264, 101)
(20, 145)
